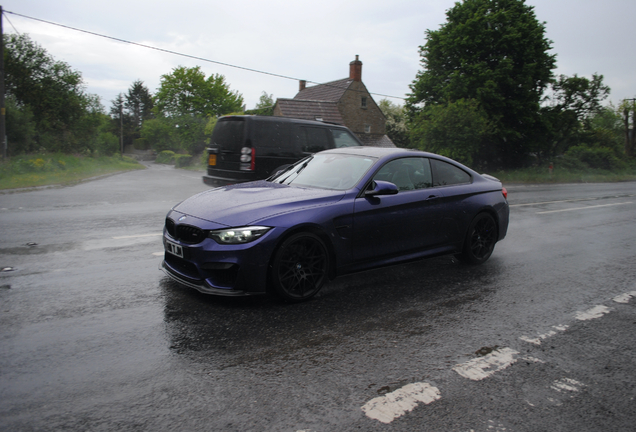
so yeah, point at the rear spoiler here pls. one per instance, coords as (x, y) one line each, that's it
(489, 177)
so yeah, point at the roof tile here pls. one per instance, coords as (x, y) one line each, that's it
(326, 111)
(331, 91)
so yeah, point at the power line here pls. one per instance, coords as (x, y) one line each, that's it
(175, 52)
(14, 29)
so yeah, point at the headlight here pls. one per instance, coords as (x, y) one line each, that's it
(238, 235)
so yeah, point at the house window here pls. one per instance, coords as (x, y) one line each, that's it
(363, 103)
(367, 128)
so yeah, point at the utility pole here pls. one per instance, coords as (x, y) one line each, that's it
(3, 111)
(121, 124)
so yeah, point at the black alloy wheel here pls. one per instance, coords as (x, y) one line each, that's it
(480, 240)
(300, 267)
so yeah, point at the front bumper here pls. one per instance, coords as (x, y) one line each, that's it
(211, 268)
(201, 286)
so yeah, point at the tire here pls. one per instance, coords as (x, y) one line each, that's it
(300, 267)
(480, 240)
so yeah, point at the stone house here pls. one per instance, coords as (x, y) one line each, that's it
(346, 102)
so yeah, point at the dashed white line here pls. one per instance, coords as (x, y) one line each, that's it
(480, 368)
(567, 384)
(393, 405)
(593, 313)
(584, 208)
(624, 298)
(539, 338)
(570, 200)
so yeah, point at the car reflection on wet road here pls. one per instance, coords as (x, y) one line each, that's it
(93, 336)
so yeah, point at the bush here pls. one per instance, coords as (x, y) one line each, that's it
(166, 157)
(596, 157)
(107, 144)
(141, 144)
(182, 160)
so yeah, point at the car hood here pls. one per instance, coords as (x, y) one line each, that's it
(246, 203)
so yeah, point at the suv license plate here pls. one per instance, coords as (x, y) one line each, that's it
(174, 249)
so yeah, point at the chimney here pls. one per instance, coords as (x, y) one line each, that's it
(355, 70)
(301, 85)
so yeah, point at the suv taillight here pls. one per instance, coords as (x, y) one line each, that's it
(504, 192)
(248, 159)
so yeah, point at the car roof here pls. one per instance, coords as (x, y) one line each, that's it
(259, 118)
(388, 152)
(377, 152)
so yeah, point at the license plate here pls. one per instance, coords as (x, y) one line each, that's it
(174, 249)
(212, 159)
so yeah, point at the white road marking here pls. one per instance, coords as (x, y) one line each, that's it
(480, 368)
(571, 200)
(552, 202)
(584, 208)
(593, 313)
(393, 405)
(137, 236)
(531, 359)
(539, 338)
(567, 384)
(158, 253)
(624, 298)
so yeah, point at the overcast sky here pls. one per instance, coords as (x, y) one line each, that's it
(309, 40)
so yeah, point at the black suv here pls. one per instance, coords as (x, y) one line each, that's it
(246, 148)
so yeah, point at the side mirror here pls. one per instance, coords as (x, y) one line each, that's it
(379, 187)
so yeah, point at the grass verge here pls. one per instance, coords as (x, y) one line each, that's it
(53, 169)
(563, 175)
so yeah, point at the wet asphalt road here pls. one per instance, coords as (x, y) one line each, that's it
(94, 337)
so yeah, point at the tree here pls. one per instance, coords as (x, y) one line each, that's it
(186, 91)
(264, 106)
(495, 53)
(131, 110)
(47, 88)
(139, 104)
(627, 107)
(20, 127)
(183, 103)
(458, 130)
(566, 115)
(122, 121)
(396, 126)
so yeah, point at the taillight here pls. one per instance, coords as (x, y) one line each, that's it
(248, 159)
(504, 192)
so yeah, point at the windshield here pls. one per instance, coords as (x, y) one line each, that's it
(327, 171)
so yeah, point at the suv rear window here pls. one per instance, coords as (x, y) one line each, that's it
(228, 134)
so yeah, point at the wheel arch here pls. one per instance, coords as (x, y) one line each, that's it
(492, 212)
(308, 228)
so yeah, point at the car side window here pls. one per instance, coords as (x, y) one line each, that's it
(343, 138)
(410, 173)
(445, 174)
(314, 139)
